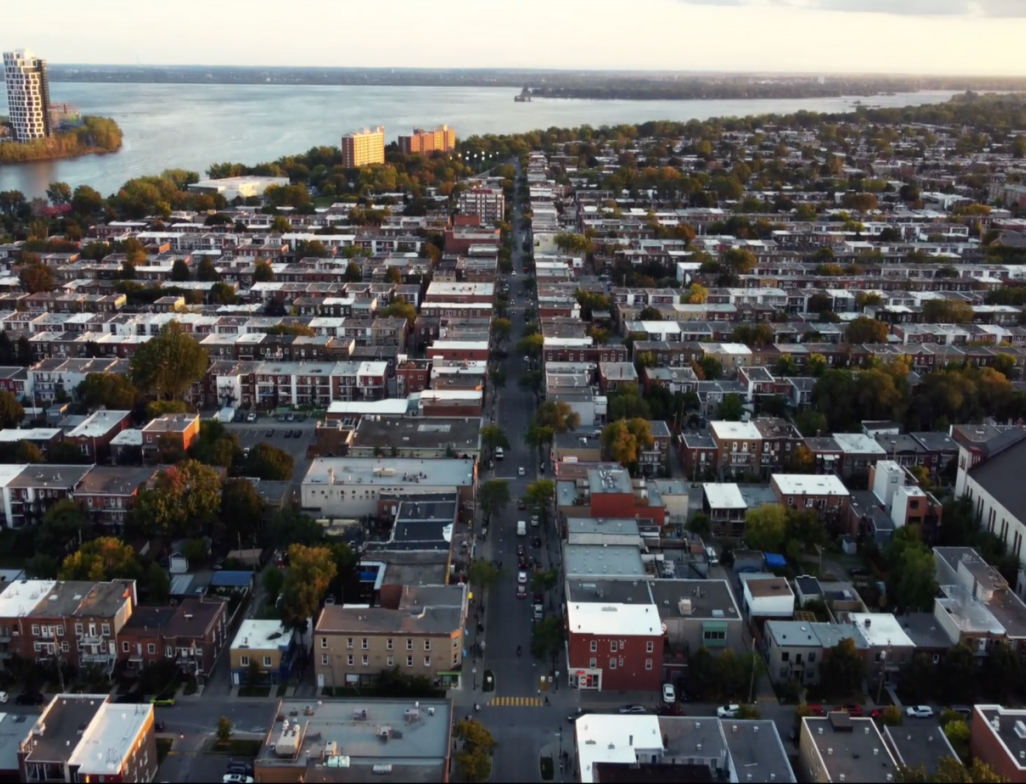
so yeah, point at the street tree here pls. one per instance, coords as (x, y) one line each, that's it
(494, 437)
(766, 527)
(544, 581)
(547, 638)
(502, 328)
(540, 495)
(865, 330)
(844, 669)
(62, 526)
(168, 364)
(731, 674)
(625, 439)
(474, 760)
(269, 463)
(482, 574)
(102, 559)
(493, 497)
(216, 445)
(111, 390)
(530, 346)
(531, 381)
(918, 676)
(957, 671)
(1002, 671)
(731, 409)
(557, 415)
(224, 730)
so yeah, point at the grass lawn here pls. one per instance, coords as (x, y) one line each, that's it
(237, 747)
(547, 769)
(163, 748)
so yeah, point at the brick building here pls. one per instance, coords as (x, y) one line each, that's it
(614, 647)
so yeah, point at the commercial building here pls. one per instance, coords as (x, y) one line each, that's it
(418, 629)
(265, 649)
(238, 187)
(364, 147)
(441, 139)
(28, 95)
(357, 740)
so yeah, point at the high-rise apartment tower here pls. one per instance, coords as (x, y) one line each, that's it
(28, 95)
(363, 147)
(441, 139)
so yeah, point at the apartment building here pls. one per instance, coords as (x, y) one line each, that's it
(418, 629)
(33, 489)
(265, 648)
(28, 95)
(441, 139)
(364, 147)
(108, 492)
(170, 431)
(489, 204)
(75, 622)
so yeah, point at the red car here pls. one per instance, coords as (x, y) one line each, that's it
(816, 710)
(876, 713)
(852, 710)
(521, 504)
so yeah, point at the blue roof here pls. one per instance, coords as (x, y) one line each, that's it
(775, 561)
(230, 579)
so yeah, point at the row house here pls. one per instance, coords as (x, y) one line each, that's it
(93, 435)
(664, 354)
(444, 291)
(582, 350)
(29, 491)
(172, 432)
(107, 493)
(191, 634)
(47, 377)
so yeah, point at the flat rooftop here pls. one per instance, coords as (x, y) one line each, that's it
(255, 634)
(810, 484)
(609, 480)
(723, 495)
(414, 733)
(64, 718)
(388, 472)
(918, 743)
(590, 560)
(850, 747)
(462, 434)
(612, 738)
(756, 750)
(109, 739)
(605, 617)
(706, 599)
(614, 591)
(615, 526)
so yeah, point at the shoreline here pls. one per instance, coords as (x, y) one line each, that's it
(94, 136)
(67, 157)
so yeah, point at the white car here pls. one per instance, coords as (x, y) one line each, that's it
(727, 711)
(710, 553)
(251, 416)
(237, 778)
(3, 697)
(522, 578)
(520, 471)
(919, 712)
(669, 694)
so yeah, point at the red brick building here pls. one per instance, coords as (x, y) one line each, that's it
(614, 647)
(413, 375)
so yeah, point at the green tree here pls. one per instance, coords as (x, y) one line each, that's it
(649, 313)
(158, 584)
(712, 368)
(530, 346)
(866, 330)
(310, 572)
(493, 497)
(216, 445)
(739, 261)
(269, 463)
(502, 328)
(1002, 671)
(59, 193)
(547, 638)
(36, 277)
(731, 409)
(531, 381)
(169, 363)
(540, 495)
(627, 403)
(558, 416)
(950, 771)
(14, 452)
(958, 735)
(105, 558)
(206, 272)
(86, 201)
(957, 671)
(224, 730)
(732, 676)
(353, 273)
(918, 676)
(916, 580)
(625, 439)
(843, 669)
(474, 761)
(11, 411)
(494, 437)
(180, 271)
(810, 423)
(544, 581)
(62, 524)
(766, 527)
(183, 497)
(262, 272)
(482, 574)
(280, 225)
(947, 311)
(241, 508)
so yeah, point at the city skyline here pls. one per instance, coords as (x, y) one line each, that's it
(802, 36)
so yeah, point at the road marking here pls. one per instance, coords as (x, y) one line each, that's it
(515, 702)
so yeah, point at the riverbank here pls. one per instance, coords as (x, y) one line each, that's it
(95, 136)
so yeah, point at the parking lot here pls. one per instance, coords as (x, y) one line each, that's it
(271, 431)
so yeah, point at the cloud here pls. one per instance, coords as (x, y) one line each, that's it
(987, 8)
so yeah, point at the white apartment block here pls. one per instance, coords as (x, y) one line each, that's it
(28, 95)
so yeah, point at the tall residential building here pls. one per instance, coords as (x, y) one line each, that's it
(486, 202)
(28, 95)
(441, 139)
(362, 148)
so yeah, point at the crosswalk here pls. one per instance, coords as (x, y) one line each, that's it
(515, 702)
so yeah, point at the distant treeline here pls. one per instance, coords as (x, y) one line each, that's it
(94, 135)
(555, 84)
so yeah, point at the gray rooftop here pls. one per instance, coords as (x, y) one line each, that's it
(1001, 477)
(851, 747)
(589, 560)
(14, 728)
(610, 591)
(64, 719)
(756, 750)
(462, 434)
(610, 527)
(920, 743)
(429, 609)
(389, 471)
(419, 735)
(922, 629)
(757, 495)
(611, 480)
(710, 599)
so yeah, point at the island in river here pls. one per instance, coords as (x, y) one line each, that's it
(93, 136)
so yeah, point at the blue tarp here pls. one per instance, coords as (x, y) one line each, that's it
(775, 561)
(229, 579)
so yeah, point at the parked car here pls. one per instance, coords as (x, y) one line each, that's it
(288, 434)
(816, 710)
(521, 591)
(237, 778)
(522, 578)
(251, 416)
(29, 698)
(4, 697)
(851, 710)
(669, 694)
(520, 551)
(163, 700)
(269, 433)
(633, 709)
(521, 504)
(240, 767)
(297, 433)
(727, 711)
(520, 471)
(919, 712)
(710, 553)
(962, 710)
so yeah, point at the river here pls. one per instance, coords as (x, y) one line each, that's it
(190, 126)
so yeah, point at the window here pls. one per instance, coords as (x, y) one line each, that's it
(649, 646)
(170, 652)
(427, 645)
(106, 630)
(35, 630)
(324, 659)
(409, 661)
(244, 661)
(785, 656)
(389, 644)
(409, 645)
(593, 663)
(124, 646)
(349, 660)
(363, 643)
(612, 646)
(594, 646)
(349, 643)
(151, 649)
(65, 647)
(612, 662)
(648, 664)
(78, 629)
(324, 642)
(60, 631)
(427, 661)
(389, 661)
(267, 661)
(812, 658)
(365, 661)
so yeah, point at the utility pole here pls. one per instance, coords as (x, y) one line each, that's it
(883, 671)
(751, 685)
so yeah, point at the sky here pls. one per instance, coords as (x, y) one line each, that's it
(805, 36)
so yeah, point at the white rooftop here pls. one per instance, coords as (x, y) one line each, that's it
(724, 495)
(735, 431)
(390, 406)
(810, 484)
(255, 634)
(29, 433)
(110, 737)
(9, 472)
(98, 423)
(371, 471)
(19, 599)
(858, 443)
(630, 620)
(615, 739)
(881, 629)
